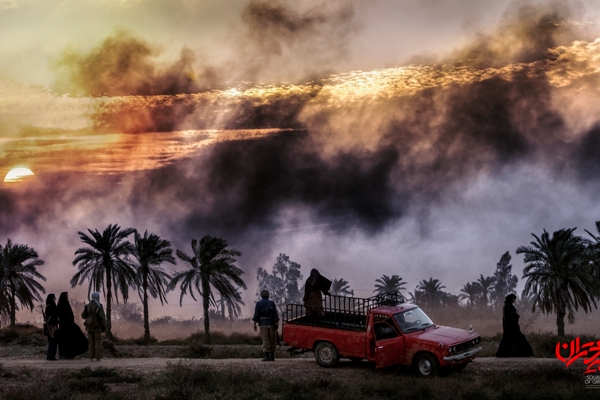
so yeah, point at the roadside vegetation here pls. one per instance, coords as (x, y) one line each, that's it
(28, 341)
(180, 381)
(562, 279)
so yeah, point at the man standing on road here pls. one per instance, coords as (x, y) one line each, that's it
(95, 325)
(265, 315)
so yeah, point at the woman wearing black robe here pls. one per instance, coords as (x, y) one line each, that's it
(513, 343)
(51, 326)
(71, 340)
(313, 299)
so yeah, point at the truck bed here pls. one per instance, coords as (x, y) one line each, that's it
(340, 320)
(333, 320)
(349, 342)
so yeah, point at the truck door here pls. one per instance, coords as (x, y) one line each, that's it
(389, 344)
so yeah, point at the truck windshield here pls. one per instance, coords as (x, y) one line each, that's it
(412, 320)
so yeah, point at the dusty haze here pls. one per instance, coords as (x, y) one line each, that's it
(351, 142)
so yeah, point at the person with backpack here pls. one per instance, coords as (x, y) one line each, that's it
(265, 315)
(95, 325)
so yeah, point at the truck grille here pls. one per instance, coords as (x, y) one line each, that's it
(467, 345)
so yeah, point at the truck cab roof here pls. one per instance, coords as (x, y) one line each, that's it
(391, 310)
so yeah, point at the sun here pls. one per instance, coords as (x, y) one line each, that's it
(17, 174)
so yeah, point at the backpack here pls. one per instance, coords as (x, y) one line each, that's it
(92, 320)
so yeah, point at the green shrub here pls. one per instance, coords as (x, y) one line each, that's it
(8, 335)
(23, 335)
(195, 350)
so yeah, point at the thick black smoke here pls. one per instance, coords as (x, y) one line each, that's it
(244, 185)
(362, 165)
(278, 38)
(525, 34)
(586, 155)
(124, 64)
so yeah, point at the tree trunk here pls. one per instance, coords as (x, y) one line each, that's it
(560, 322)
(222, 307)
(205, 303)
(485, 300)
(13, 306)
(109, 334)
(146, 317)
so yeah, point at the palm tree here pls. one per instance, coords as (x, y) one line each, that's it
(594, 253)
(151, 251)
(432, 291)
(18, 278)
(559, 275)
(450, 300)
(104, 264)
(4, 309)
(416, 297)
(340, 287)
(486, 284)
(388, 284)
(212, 265)
(471, 292)
(233, 307)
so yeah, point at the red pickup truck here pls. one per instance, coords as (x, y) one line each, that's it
(383, 329)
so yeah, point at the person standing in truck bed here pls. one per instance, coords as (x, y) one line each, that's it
(316, 285)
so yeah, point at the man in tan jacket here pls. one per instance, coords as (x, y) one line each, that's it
(95, 325)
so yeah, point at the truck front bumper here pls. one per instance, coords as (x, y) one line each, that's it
(463, 355)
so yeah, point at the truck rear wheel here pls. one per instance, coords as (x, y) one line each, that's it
(426, 365)
(327, 355)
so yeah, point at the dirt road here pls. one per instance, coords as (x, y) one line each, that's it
(289, 367)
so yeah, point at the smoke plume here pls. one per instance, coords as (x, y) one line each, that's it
(184, 154)
(124, 64)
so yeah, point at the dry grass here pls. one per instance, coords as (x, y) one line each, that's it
(182, 381)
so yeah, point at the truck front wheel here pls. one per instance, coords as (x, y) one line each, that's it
(326, 355)
(426, 365)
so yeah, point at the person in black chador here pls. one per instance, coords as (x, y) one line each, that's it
(513, 343)
(71, 340)
(265, 315)
(51, 326)
(313, 299)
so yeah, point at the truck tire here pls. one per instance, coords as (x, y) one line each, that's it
(426, 365)
(327, 355)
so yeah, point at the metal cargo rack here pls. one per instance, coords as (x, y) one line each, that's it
(339, 311)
